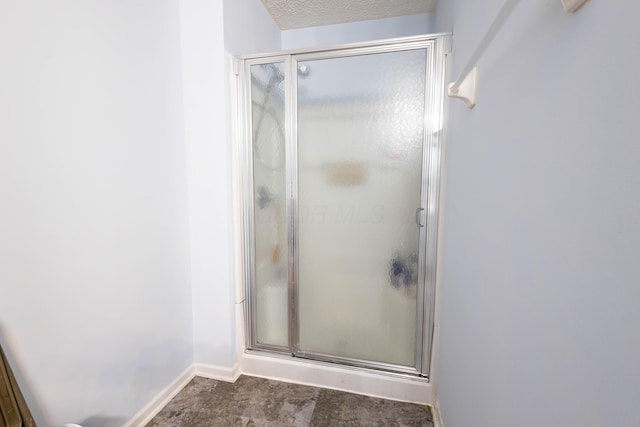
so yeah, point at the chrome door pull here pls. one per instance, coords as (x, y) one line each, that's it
(418, 217)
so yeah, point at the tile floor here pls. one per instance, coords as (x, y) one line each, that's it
(259, 402)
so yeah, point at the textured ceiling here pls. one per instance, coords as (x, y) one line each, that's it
(290, 14)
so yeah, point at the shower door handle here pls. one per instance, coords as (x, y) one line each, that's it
(418, 219)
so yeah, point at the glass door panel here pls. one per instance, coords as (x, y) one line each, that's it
(360, 129)
(269, 201)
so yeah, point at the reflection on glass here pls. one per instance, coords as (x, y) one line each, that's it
(267, 119)
(360, 141)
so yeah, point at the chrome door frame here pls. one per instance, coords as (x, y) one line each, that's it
(245, 135)
(437, 46)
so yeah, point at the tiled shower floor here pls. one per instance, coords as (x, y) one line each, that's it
(259, 402)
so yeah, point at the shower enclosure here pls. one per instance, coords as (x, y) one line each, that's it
(341, 167)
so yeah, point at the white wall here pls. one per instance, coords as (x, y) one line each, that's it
(203, 80)
(206, 79)
(352, 32)
(95, 304)
(248, 28)
(540, 296)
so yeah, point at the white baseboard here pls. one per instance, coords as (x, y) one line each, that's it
(367, 382)
(156, 404)
(437, 415)
(221, 373)
(370, 383)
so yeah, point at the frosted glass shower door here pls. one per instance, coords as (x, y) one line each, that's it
(269, 194)
(360, 137)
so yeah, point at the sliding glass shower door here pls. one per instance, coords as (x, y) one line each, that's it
(344, 162)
